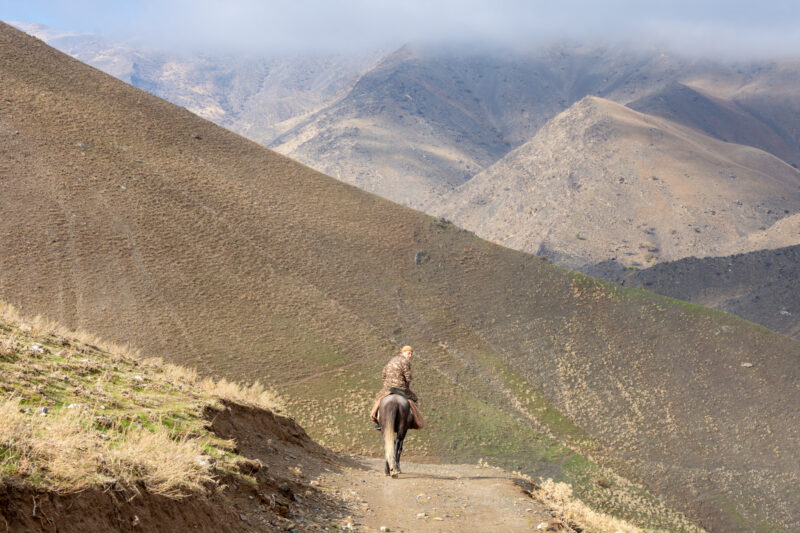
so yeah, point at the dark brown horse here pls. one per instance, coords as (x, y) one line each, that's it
(395, 418)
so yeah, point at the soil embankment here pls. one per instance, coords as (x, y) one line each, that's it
(271, 491)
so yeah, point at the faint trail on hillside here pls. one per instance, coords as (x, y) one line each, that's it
(435, 498)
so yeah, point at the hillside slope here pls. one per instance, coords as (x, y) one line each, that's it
(96, 439)
(601, 181)
(719, 118)
(123, 213)
(249, 94)
(761, 286)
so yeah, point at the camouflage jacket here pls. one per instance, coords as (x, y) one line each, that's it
(397, 374)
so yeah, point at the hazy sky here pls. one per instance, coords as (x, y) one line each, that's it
(732, 27)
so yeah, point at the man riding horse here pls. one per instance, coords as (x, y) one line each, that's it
(396, 379)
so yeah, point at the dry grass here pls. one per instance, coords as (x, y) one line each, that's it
(64, 452)
(166, 465)
(255, 395)
(78, 412)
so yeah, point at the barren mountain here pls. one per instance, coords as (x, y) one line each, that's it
(601, 181)
(724, 119)
(132, 217)
(784, 232)
(425, 121)
(767, 91)
(249, 94)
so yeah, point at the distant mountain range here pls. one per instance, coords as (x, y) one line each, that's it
(430, 128)
(578, 153)
(246, 94)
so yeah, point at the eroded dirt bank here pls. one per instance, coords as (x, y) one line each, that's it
(270, 492)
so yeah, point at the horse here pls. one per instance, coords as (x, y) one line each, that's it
(395, 418)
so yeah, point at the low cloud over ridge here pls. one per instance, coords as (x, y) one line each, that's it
(730, 29)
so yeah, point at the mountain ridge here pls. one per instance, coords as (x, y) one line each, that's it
(601, 181)
(717, 117)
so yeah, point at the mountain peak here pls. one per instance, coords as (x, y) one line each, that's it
(601, 181)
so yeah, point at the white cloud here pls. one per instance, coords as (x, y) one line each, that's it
(731, 28)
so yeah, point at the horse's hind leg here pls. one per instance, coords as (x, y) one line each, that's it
(397, 452)
(395, 469)
(398, 446)
(390, 448)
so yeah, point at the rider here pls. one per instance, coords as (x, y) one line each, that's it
(397, 375)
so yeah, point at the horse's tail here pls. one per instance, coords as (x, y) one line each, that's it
(389, 426)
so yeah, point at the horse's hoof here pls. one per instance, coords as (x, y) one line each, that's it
(395, 475)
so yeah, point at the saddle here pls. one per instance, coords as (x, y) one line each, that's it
(400, 392)
(418, 422)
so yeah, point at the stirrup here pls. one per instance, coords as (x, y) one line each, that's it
(378, 427)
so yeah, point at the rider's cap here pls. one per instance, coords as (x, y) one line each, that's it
(407, 349)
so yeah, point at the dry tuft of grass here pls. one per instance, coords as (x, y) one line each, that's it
(166, 465)
(255, 395)
(559, 497)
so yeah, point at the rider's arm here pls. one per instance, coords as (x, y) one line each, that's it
(407, 371)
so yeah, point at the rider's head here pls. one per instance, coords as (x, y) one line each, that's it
(407, 352)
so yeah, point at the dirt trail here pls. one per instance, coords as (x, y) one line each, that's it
(434, 498)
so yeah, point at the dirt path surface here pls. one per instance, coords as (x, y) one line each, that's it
(434, 498)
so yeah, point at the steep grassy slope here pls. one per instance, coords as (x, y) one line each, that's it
(601, 181)
(126, 214)
(93, 438)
